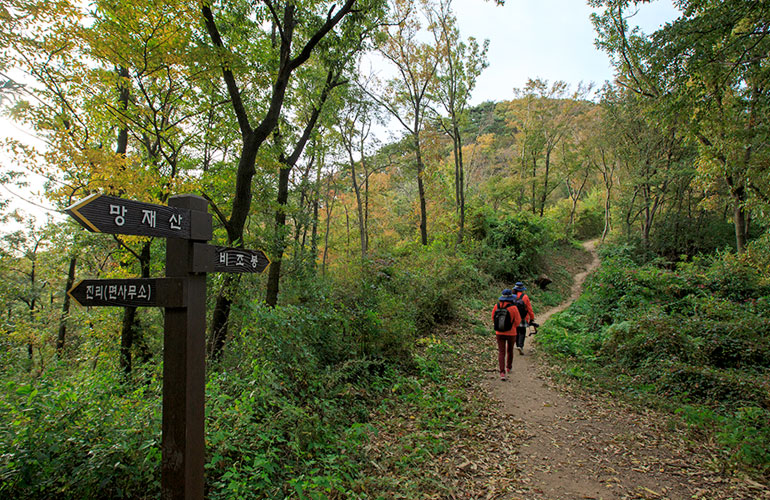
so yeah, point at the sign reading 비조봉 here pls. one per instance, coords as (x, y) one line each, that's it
(239, 260)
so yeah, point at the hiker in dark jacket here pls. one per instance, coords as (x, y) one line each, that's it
(506, 338)
(521, 331)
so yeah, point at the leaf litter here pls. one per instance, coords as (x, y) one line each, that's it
(533, 438)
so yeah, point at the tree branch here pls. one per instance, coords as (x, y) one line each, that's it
(227, 74)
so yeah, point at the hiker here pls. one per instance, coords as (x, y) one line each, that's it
(527, 318)
(505, 328)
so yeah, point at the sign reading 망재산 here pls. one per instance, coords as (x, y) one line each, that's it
(108, 214)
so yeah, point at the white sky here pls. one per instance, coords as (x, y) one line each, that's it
(548, 39)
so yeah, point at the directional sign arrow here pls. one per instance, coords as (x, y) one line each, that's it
(139, 292)
(239, 260)
(108, 214)
(216, 259)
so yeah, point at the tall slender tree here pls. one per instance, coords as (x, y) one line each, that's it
(460, 64)
(406, 97)
(292, 33)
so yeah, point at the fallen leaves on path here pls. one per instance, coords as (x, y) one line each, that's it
(532, 438)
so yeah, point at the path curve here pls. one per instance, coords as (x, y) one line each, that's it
(578, 446)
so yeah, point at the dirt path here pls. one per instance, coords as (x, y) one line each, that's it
(590, 447)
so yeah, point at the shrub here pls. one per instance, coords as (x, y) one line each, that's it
(693, 335)
(513, 245)
(704, 384)
(70, 436)
(735, 279)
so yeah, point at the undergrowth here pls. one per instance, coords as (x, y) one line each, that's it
(691, 339)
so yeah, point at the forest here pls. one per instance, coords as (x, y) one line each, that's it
(383, 253)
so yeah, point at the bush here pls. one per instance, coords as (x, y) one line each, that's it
(71, 435)
(705, 384)
(693, 335)
(512, 245)
(735, 279)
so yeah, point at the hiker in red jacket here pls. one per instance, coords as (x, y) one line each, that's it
(505, 328)
(521, 331)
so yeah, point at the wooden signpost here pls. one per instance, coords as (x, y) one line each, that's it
(141, 292)
(187, 225)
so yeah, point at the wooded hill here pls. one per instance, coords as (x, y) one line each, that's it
(261, 109)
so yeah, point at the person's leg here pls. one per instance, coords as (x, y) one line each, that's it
(521, 334)
(509, 352)
(501, 355)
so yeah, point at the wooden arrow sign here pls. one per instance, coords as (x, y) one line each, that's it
(140, 292)
(108, 214)
(239, 260)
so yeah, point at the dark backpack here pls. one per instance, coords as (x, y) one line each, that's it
(503, 319)
(518, 301)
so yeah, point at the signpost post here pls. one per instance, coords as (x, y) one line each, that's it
(187, 225)
(183, 447)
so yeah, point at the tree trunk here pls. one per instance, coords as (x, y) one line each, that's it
(421, 192)
(316, 207)
(220, 317)
(235, 227)
(129, 331)
(65, 310)
(534, 187)
(274, 276)
(347, 229)
(329, 210)
(545, 182)
(522, 179)
(460, 181)
(608, 175)
(366, 209)
(359, 203)
(739, 218)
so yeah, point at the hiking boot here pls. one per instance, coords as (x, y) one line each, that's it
(503, 376)
(521, 350)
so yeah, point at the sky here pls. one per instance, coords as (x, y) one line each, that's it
(548, 39)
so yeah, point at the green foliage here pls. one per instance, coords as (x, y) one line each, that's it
(694, 335)
(743, 436)
(512, 244)
(568, 335)
(68, 435)
(677, 235)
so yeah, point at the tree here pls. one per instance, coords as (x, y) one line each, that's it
(354, 129)
(544, 122)
(460, 65)
(288, 33)
(406, 96)
(706, 71)
(113, 99)
(288, 162)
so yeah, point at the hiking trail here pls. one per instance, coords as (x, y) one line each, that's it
(573, 445)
